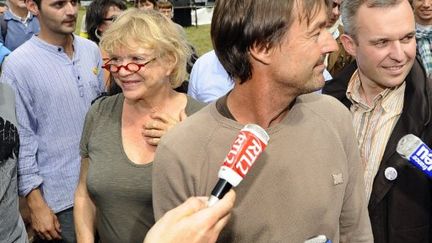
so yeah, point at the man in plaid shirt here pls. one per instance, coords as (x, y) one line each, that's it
(423, 17)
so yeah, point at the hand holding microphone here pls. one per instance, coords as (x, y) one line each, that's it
(249, 144)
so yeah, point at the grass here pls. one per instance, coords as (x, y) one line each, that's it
(199, 36)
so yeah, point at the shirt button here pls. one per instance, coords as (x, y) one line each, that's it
(59, 49)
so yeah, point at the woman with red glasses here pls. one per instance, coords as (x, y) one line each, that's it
(147, 59)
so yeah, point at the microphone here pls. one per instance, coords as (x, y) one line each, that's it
(416, 152)
(318, 239)
(249, 144)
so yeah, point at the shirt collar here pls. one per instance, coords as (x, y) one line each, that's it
(11, 15)
(353, 94)
(54, 48)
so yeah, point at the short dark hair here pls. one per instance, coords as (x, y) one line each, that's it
(38, 3)
(95, 15)
(237, 25)
(136, 2)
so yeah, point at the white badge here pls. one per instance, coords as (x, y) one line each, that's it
(390, 173)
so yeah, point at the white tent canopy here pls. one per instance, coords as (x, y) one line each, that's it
(203, 15)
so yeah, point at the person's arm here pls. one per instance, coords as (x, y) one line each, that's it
(354, 221)
(192, 221)
(84, 208)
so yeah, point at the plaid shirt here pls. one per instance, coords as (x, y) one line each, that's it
(424, 45)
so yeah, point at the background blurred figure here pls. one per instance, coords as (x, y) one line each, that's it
(423, 18)
(166, 8)
(147, 60)
(3, 7)
(334, 14)
(208, 79)
(100, 15)
(145, 4)
(17, 25)
(337, 60)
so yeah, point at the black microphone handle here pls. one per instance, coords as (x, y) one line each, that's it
(221, 188)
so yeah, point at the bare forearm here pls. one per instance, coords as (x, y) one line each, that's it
(84, 218)
(84, 208)
(35, 200)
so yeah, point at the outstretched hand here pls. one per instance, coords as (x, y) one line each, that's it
(193, 221)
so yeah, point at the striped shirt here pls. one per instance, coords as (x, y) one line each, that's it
(53, 94)
(374, 124)
(424, 46)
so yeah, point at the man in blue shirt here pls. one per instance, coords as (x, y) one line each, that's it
(54, 87)
(20, 25)
(209, 80)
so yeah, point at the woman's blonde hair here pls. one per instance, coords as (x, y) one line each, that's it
(151, 30)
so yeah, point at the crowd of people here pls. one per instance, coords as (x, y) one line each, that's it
(105, 140)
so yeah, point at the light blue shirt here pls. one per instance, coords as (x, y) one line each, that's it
(17, 31)
(53, 94)
(327, 77)
(208, 79)
(3, 52)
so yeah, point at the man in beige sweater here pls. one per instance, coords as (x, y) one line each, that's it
(309, 181)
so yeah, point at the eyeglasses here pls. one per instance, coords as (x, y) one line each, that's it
(131, 67)
(112, 18)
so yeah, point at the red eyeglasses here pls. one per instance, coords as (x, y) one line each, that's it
(131, 67)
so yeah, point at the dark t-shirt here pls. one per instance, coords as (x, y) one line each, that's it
(120, 188)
